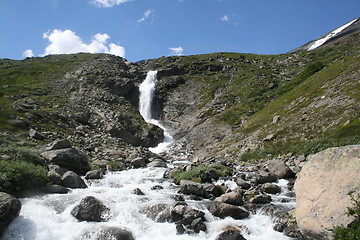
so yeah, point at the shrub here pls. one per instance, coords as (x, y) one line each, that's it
(352, 231)
(24, 154)
(18, 176)
(194, 173)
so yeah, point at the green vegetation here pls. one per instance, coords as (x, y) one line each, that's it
(352, 231)
(21, 170)
(194, 174)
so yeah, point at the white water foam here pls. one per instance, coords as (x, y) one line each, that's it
(48, 217)
(147, 88)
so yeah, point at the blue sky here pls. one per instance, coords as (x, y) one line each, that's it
(144, 29)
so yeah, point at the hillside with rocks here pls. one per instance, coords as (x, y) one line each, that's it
(251, 118)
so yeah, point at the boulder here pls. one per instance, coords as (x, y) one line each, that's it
(159, 212)
(72, 180)
(233, 198)
(55, 189)
(157, 163)
(9, 210)
(243, 184)
(223, 210)
(270, 188)
(137, 191)
(188, 220)
(230, 234)
(59, 144)
(322, 190)
(138, 162)
(91, 209)
(35, 134)
(279, 168)
(261, 199)
(94, 174)
(68, 158)
(193, 188)
(261, 177)
(115, 233)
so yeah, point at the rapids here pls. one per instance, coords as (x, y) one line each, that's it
(47, 217)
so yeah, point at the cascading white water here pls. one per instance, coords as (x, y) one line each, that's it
(48, 216)
(147, 88)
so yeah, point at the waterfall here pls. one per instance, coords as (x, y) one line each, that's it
(147, 88)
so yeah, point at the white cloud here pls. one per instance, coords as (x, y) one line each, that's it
(147, 14)
(28, 53)
(68, 42)
(107, 3)
(225, 18)
(177, 51)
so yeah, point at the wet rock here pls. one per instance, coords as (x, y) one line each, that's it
(157, 163)
(9, 210)
(270, 188)
(186, 215)
(138, 162)
(188, 220)
(59, 144)
(193, 188)
(68, 158)
(36, 135)
(223, 210)
(198, 225)
(260, 199)
(91, 209)
(213, 190)
(137, 191)
(159, 212)
(55, 189)
(157, 187)
(233, 198)
(261, 177)
(115, 233)
(94, 174)
(243, 184)
(71, 180)
(231, 233)
(279, 168)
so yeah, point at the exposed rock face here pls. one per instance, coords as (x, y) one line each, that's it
(68, 158)
(91, 209)
(9, 210)
(322, 189)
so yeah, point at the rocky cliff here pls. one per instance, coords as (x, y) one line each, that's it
(222, 106)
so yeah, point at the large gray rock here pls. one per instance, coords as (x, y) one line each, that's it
(9, 210)
(193, 188)
(231, 233)
(91, 209)
(159, 212)
(72, 180)
(234, 198)
(223, 210)
(279, 168)
(68, 158)
(59, 144)
(322, 190)
(94, 174)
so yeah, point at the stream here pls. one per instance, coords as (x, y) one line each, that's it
(47, 217)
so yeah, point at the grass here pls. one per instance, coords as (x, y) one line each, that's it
(194, 174)
(22, 170)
